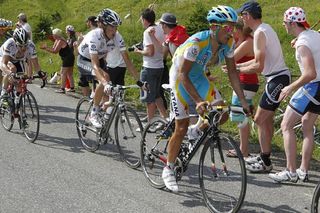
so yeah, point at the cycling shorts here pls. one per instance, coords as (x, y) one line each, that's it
(181, 100)
(306, 99)
(269, 99)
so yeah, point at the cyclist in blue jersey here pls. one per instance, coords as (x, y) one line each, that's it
(189, 81)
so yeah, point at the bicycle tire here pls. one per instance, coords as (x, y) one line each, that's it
(315, 199)
(6, 116)
(219, 180)
(88, 134)
(126, 136)
(29, 116)
(153, 153)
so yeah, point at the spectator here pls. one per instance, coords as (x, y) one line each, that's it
(152, 67)
(22, 22)
(304, 104)
(269, 61)
(249, 82)
(61, 46)
(86, 77)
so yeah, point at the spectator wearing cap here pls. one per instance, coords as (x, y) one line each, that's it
(71, 35)
(304, 103)
(85, 78)
(61, 46)
(175, 35)
(268, 61)
(23, 22)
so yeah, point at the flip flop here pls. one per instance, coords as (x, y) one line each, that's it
(231, 153)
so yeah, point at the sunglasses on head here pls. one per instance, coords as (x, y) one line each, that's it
(228, 28)
(244, 13)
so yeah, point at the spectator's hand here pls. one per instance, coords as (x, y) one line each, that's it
(224, 68)
(201, 107)
(151, 31)
(43, 46)
(108, 88)
(293, 42)
(285, 92)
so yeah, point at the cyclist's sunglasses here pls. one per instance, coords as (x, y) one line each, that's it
(228, 28)
(22, 45)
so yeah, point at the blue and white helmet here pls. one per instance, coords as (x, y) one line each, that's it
(109, 17)
(222, 14)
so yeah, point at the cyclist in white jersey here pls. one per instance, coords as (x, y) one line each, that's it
(304, 105)
(14, 54)
(268, 60)
(93, 51)
(188, 78)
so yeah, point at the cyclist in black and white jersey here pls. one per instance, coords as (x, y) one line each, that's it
(93, 51)
(14, 54)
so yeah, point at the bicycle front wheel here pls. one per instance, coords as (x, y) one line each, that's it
(128, 136)
(29, 116)
(315, 199)
(153, 151)
(6, 116)
(223, 180)
(87, 133)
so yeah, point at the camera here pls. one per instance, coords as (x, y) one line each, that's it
(138, 46)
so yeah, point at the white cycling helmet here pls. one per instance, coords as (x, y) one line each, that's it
(70, 28)
(20, 36)
(109, 17)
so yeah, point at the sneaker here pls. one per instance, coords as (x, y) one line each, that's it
(169, 179)
(54, 79)
(95, 121)
(253, 159)
(304, 176)
(70, 90)
(193, 133)
(258, 167)
(284, 176)
(62, 91)
(91, 95)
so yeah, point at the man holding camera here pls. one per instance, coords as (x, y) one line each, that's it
(152, 67)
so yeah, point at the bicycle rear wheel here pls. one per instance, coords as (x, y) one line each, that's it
(29, 116)
(87, 133)
(315, 200)
(153, 151)
(6, 116)
(127, 138)
(223, 180)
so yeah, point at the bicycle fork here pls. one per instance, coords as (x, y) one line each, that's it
(216, 142)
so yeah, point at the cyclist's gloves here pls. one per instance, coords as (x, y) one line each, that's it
(144, 85)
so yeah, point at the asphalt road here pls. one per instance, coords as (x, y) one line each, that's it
(57, 175)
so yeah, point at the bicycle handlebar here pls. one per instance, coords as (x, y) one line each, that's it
(41, 75)
(117, 88)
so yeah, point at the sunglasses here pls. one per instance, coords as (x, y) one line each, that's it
(228, 28)
(244, 14)
(21, 45)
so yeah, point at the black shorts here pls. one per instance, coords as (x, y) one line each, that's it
(117, 75)
(269, 99)
(85, 67)
(68, 61)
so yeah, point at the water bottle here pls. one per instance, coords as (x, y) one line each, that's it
(108, 112)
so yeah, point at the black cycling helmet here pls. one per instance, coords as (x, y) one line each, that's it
(20, 36)
(109, 17)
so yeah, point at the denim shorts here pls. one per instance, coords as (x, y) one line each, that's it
(153, 77)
